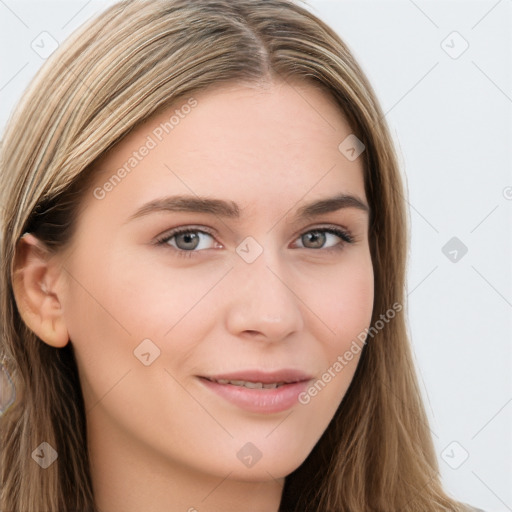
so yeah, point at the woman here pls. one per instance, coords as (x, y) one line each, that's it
(204, 239)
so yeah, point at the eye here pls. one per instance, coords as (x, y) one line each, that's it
(187, 240)
(317, 238)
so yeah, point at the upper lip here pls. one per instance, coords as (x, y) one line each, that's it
(283, 375)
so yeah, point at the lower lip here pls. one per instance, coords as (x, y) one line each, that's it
(262, 401)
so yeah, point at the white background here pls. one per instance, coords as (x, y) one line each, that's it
(452, 122)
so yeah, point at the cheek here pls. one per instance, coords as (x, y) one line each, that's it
(100, 336)
(111, 307)
(354, 301)
(344, 304)
(137, 297)
(343, 301)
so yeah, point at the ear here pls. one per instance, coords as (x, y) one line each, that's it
(35, 275)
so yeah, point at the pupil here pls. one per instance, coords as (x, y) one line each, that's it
(317, 238)
(188, 238)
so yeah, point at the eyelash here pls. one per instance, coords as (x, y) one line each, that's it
(344, 235)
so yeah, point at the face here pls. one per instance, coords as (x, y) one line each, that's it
(201, 323)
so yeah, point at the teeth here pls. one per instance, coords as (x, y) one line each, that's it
(250, 385)
(236, 382)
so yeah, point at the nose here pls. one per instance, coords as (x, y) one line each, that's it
(263, 305)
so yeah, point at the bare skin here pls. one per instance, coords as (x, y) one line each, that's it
(160, 439)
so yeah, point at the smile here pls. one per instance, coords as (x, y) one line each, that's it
(249, 384)
(259, 392)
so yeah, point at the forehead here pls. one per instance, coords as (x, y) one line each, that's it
(265, 145)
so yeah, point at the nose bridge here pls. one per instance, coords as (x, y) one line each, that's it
(262, 301)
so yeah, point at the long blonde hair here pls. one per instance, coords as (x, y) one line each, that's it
(136, 58)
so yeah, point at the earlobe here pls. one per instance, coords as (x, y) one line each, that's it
(34, 277)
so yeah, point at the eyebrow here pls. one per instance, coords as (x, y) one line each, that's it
(229, 209)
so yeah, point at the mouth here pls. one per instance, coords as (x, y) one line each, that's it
(259, 392)
(249, 384)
